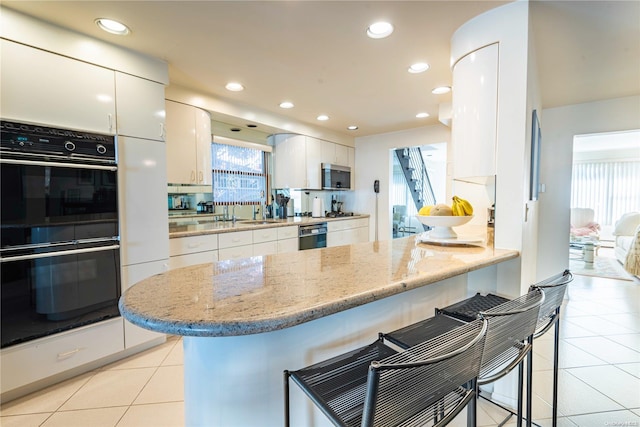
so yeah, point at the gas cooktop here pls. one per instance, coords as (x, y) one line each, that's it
(338, 214)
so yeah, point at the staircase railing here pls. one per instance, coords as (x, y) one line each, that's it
(416, 175)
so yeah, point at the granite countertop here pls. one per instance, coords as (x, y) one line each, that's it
(195, 226)
(267, 293)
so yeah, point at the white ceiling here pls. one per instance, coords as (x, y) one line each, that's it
(316, 54)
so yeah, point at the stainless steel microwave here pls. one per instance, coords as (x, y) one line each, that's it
(336, 177)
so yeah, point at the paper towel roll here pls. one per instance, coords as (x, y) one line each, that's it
(318, 208)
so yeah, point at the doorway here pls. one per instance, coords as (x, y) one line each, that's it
(604, 187)
(403, 206)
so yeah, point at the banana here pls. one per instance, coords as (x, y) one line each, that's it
(457, 209)
(463, 206)
(425, 210)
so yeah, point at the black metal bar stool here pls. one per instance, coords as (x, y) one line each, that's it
(554, 289)
(376, 385)
(509, 338)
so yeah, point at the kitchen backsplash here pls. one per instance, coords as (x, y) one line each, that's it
(184, 199)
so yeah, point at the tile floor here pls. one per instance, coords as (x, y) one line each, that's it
(599, 377)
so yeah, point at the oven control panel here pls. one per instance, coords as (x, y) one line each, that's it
(43, 140)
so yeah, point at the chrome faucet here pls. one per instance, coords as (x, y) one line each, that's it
(233, 218)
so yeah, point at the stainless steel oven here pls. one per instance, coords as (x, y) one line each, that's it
(312, 236)
(59, 249)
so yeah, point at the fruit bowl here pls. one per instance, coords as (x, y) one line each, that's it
(442, 225)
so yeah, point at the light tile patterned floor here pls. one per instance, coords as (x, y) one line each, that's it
(599, 377)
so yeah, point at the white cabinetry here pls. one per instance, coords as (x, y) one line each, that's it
(140, 107)
(288, 239)
(188, 131)
(26, 363)
(298, 160)
(50, 89)
(192, 250)
(142, 185)
(347, 232)
(313, 152)
(290, 166)
(238, 244)
(132, 274)
(335, 154)
(265, 241)
(475, 99)
(185, 251)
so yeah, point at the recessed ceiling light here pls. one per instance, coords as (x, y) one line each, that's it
(352, 127)
(440, 90)
(111, 26)
(251, 125)
(286, 104)
(418, 67)
(234, 87)
(422, 115)
(323, 117)
(235, 129)
(379, 30)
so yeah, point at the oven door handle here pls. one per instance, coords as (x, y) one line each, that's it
(58, 164)
(63, 243)
(61, 253)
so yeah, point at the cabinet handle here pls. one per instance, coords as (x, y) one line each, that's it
(67, 354)
(193, 176)
(110, 122)
(162, 131)
(200, 176)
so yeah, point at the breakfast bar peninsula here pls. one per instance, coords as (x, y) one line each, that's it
(244, 321)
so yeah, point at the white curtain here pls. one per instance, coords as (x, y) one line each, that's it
(610, 188)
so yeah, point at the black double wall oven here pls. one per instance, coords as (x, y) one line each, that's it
(59, 252)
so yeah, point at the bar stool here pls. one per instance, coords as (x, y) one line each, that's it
(508, 342)
(554, 288)
(376, 385)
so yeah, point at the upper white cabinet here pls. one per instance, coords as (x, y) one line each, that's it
(140, 107)
(50, 89)
(188, 136)
(290, 166)
(335, 154)
(475, 98)
(298, 160)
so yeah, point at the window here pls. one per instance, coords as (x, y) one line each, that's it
(238, 175)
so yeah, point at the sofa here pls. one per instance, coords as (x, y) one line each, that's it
(582, 224)
(625, 231)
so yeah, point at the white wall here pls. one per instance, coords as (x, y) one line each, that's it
(559, 126)
(373, 161)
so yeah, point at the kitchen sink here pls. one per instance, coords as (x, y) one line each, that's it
(258, 221)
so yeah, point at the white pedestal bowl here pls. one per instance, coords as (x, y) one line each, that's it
(442, 225)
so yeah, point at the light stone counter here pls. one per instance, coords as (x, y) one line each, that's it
(244, 321)
(267, 293)
(195, 226)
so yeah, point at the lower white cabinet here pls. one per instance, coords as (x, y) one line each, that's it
(238, 244)
(192, 259)
(288, 245)
(132, 274)
(192, 250)
(235, 252)
(347, 232)
(27, 363)
(265, 248)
